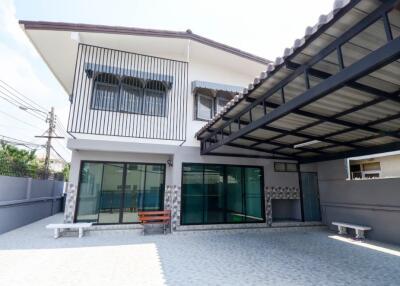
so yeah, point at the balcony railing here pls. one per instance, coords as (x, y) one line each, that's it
(118, 93)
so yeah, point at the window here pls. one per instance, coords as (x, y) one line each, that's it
(205, 106)
(361, 170)
(208, 103)
(105, 92)
(213, 194)
(114, 192)
(154, 98)
(221, 102)
(129, 95)
(285, 167)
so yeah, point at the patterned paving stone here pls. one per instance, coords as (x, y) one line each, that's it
(291, 256)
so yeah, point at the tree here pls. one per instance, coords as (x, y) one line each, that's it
(65, 171)
(18, 162)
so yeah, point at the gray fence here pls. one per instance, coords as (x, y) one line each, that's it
(25, 200)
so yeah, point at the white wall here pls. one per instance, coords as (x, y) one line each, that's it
(209, 71)
(204, 64)
(182, 155)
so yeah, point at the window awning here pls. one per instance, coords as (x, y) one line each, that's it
(216, 86)
(91, 68)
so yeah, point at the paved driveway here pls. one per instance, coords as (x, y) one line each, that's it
(307, 256)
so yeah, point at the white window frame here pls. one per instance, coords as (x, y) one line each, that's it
(208, 97)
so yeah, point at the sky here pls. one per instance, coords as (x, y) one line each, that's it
(264, 28)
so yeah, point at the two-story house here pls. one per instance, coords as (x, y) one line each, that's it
(161, 119)
(138, 97)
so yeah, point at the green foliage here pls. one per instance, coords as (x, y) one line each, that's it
(18, 162)
(65, 171)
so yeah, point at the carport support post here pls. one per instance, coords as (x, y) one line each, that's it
(301, 192)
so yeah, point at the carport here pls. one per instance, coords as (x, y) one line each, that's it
(334, 94)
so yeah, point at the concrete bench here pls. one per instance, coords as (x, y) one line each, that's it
(360, 229)
(61, 226)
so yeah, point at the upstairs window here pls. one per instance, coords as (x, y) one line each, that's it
(130, 95)
(221, 100)
(209, 102)
(205, 106)
(155, 98)
(105, 92)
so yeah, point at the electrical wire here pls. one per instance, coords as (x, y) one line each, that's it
(27, 99)
(58, 154)
(15, 118)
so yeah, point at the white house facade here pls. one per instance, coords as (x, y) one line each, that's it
(167, 120)
(137, 99)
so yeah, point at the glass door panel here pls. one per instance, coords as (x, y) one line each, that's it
(214, 199)
(234, 197)
(254, 197)
(192, 194)
(154, 184)
(89, 191)
(134, 186)
(111, 193)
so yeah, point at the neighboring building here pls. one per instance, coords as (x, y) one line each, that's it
(160, 119)
(56, 165)
(380, 166)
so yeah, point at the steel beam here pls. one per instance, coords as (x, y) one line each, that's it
(335, 45)
(361, 151)
(375, 60)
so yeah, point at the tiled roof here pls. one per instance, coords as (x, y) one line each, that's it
(271, 67)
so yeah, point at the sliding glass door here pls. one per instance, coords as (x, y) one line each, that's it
(111, 193)
(213, 194)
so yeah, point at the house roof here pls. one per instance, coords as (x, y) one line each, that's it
(333, 94)
(188, 34)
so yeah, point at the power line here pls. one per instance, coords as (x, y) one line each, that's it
(18, 106)
(22, 104)
(58, 154)
(62, 146)
(15, 118)
(27, 99)
(11, 139)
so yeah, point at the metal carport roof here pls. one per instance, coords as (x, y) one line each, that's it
(334, 94)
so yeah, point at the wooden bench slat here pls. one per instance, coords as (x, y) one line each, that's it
(155, 218)
(150, 213)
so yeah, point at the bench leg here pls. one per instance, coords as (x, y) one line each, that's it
(360, 234)
(342, 230)
(56, 233)
(80, 232)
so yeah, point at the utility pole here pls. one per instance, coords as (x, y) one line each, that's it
(52, 125)
(51, 119)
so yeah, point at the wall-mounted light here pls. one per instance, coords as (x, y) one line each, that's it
(170, 163)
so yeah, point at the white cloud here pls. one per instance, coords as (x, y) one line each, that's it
(9, 26)
(21, 69)
(17, 71)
